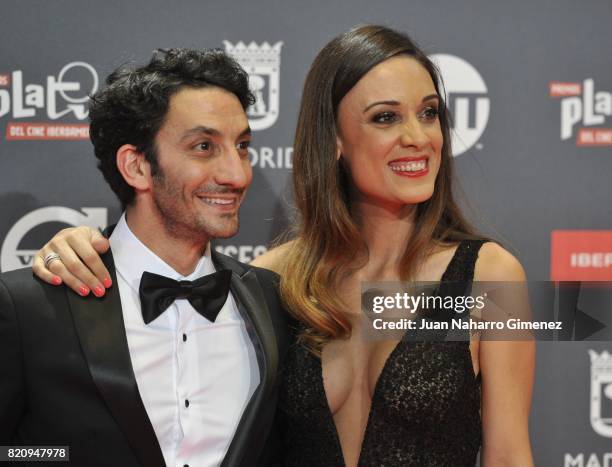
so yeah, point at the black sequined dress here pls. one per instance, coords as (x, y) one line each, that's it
(425, 407)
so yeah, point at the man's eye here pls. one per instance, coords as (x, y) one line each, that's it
(244, 145)
(204, 146)
(430, 113)
(385, 117)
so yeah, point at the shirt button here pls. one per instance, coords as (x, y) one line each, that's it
(184, 337)
(186, 402)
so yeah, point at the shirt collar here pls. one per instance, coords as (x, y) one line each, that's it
(132, 258)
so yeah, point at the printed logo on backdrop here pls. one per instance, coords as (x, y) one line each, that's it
(243, 253)
(600, 411)
(581, 109)
(262, 63)
(468, 101)
(581, 255)
(46, 107)
(601, 393)
(12, 256)
(593, 460)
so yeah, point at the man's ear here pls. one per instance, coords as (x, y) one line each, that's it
(134, 168)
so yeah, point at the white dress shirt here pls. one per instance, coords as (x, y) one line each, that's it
(195, 377)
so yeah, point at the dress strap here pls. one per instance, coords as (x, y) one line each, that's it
(461, 266)
(457, 281)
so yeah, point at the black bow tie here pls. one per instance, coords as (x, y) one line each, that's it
(206, 294)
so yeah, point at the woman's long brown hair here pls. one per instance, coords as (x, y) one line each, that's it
(327, 237)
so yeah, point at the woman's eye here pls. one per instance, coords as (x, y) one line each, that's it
(430, 113)
(385, 117)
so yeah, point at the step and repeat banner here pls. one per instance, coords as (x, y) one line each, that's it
(529, 86)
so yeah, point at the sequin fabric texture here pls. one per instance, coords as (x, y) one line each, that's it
(425, 407)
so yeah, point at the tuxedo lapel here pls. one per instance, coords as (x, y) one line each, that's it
(99, 325)
(251, 434)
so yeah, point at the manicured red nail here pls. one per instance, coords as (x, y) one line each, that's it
(107, 282)
(83, 291)
(98, 291)
(57, 280)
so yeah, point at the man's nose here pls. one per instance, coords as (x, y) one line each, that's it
(233, 170)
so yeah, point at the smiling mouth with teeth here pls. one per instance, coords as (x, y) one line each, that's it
(220, 201)
(416, 168)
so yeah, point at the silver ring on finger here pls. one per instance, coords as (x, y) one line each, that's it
(49, 258)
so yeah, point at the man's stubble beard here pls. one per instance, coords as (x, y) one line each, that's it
(172, 206)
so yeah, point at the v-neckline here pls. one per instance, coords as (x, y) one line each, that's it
(384, 369)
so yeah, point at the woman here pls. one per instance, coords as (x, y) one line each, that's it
(372, 184)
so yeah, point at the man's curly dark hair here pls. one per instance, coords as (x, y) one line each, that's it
(133, 106)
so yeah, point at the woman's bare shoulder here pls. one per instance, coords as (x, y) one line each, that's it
(495, 263)
(274, 259)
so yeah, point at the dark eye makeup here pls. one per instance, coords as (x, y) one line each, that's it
(384, 117)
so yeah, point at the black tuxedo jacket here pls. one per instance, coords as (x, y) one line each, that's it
(67, 378)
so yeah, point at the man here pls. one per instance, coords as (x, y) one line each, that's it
(167, 367)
